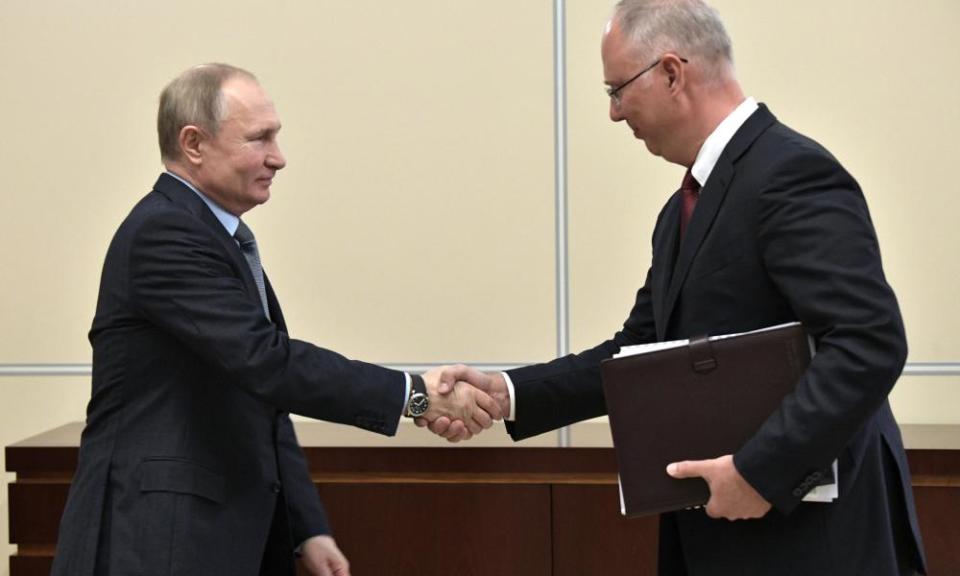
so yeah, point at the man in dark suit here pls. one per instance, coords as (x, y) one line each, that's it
(188, 462)
(768, 228)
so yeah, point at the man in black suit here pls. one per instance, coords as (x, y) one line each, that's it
(188, 462)
(768, 228)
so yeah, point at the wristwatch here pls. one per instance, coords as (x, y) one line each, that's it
(419, 402)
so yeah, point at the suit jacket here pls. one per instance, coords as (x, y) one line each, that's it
(781, 232)
(188, 461)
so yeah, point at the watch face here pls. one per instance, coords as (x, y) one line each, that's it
(419, 404)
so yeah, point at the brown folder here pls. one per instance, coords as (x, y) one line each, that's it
(698, 401)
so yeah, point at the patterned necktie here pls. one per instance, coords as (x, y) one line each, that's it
(248, 245)
(690, 192)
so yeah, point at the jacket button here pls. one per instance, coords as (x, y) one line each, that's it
(798, 492)
(275, 487)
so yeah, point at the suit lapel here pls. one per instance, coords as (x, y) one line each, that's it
(708, 206)
(711, 197)
(664, 257)
(276, 315)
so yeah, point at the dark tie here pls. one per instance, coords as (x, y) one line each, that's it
(248, 245)
(689, 191)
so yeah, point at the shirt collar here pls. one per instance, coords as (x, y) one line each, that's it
(229, 221)
(718, 139)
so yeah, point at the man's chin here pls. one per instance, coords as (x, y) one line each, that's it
(651, 148)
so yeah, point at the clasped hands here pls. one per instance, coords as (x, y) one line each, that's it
(483, 398)
(463, 401)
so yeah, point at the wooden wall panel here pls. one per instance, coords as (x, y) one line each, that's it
(591, 537)
(463, 529)
(484, 511)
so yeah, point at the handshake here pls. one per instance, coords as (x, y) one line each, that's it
(463, 401)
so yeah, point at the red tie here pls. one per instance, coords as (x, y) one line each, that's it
(690, 190)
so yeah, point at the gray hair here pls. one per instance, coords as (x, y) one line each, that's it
(193, 98)
(689, 28)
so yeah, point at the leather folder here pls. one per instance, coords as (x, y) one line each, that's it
(699, 400)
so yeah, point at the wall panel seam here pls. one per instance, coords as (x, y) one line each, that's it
(939, 368)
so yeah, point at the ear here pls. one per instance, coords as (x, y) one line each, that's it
(191, 139)
(675, 72)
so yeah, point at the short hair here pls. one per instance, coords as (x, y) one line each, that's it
(193, 98)
(690, 28)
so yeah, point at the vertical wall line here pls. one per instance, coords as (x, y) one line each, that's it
(560, 186)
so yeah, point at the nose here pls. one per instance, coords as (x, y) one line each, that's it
(275, 158)
(615, 115)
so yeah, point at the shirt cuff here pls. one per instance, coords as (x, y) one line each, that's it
(513, 402)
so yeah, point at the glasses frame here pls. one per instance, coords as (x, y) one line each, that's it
(614, 93)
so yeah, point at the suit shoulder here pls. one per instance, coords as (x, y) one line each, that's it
(153, 223)
(782, 152)
(785, 142)
(157, 211)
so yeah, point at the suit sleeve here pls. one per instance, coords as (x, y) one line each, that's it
(184, 281)
(569, 389)
(820, 249)
(306, 513)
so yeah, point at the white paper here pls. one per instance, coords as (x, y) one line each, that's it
(827, 492)
(655, 346)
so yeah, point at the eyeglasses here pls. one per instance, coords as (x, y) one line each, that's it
(614, 93)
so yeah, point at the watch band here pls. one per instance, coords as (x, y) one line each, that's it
(417, 386)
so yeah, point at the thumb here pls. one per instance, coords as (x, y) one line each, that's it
(687, 469)
(448, 379)
(471, 376)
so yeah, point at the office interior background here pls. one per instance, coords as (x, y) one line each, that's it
(415, 221)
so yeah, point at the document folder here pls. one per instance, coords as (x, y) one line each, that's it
(694, 400)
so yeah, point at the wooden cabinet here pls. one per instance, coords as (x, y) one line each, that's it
(469, 511)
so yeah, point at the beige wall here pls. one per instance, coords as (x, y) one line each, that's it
(414, 222)
(873, 82)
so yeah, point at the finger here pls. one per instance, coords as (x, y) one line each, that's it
(489, 405)
(323, 568)
(342, 567)
(713, 510)
(456, 430)
(473, 426)
(420, 422)
(440, 425)
(482, 419)
(720, 512)
(477, 413)
(688, 469)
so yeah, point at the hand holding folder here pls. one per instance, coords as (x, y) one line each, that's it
(695, 400)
